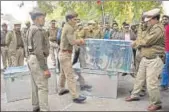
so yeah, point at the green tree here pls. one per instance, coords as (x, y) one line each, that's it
(120, 11)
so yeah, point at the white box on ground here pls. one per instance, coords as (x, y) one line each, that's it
(103, 86)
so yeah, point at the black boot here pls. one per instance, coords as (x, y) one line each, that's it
(80, 99)
(63, 91)
(124, 74)
(36, 110)
(84, 87)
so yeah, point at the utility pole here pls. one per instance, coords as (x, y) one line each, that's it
(103, 13)
(101, 2)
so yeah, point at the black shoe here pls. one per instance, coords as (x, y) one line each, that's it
(63, 91)
(133, 75)
(80, 99)
(164, 88)
(142, 93)
(36, 110)
(84, 87)
(130, 91)
(124, 74)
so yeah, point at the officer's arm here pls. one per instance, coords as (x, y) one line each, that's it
(72, 38)
(139, 32)
(47, 46)
(38, 50)
(151, 38)
(8, 38)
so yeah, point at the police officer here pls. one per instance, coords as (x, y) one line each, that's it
(4, 48)
(65, 56)
(94, 31)
(27, 23)
(38, 51)
(52, 33)
(16, 47)
(152, 48)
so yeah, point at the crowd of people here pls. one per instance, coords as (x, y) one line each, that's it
(149, 40)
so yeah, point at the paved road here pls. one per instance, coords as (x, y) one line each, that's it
(92, 104)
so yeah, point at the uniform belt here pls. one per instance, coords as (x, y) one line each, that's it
(69, 51)
(53, 40)
(19, 47)
(31, 53)
(151, 57)
(3, 45)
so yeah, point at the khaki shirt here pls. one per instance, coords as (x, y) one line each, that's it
(80, 34)
(40, 44)
(52, 34)
(19, 39)
(153, 42)
(3, 37)
(14, 40)
(67, 37)
(95, 33)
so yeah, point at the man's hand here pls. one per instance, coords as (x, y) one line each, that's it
(80, 42)
(47, 73)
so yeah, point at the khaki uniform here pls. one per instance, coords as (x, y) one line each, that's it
(96, 33)
(38, 48)
(16, 48)
(151, 47)
(4, 49)
(66, 72)
(53, 44)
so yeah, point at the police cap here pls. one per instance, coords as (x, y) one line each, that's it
(36, 12)
(91, 22)
(17, 23)
(151, 13)
(71, 13)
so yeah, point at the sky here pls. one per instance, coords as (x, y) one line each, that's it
(11, 7)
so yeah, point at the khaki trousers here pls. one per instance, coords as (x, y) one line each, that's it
(149, 70)
(53, 51)
(16, 58)
(4, 51)
(67, 73)
(39, 85)
(137, 63)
